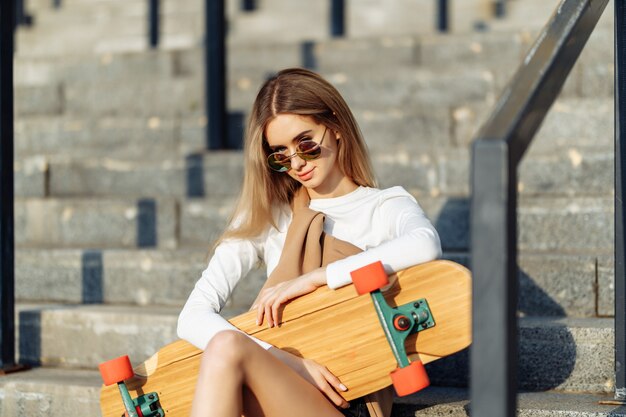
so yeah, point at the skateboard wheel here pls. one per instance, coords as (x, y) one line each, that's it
(410, 379)
(369, 278)
(401, 323)
(116, 370)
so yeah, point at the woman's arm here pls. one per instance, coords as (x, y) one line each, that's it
(316, 374)
(271, 298)
(199, 320)
(412, 240)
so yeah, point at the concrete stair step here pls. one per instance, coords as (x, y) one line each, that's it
(484, 50)
(500, 51)
(573, 126)
(50, 392)
(561, 284)
(551, 284)
(408, 89)
(43, 6)
(142, 139)
(40, 70)
(562, 224)
(121, 277)
(214, 174)
(565, 354)
(554, 353)
(454, 402)
(571, 123)
(545, 224)
(101, 223)
(263, 58)
(151, 96)
(48, 333)
(436, 172)
(109, 33)
(533, 14)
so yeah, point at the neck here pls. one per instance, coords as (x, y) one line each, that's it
(343, 187)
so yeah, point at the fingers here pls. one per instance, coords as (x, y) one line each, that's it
(331, 386)
(269, 305)
(275, 309)
(333, 380)
(268, 315)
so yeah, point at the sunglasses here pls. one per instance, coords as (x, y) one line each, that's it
(306, 149)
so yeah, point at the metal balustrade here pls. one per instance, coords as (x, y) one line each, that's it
(620, 193)
(496, 154)
(7, 238)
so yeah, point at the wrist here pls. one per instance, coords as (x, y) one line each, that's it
(319, 277)
(293, 361)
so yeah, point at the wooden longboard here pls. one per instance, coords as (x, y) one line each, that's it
(337, 328)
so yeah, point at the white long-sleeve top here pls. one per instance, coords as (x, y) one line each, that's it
(388, 225)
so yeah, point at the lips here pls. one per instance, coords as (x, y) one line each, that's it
(306, 176)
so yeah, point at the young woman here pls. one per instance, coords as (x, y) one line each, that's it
(308, 188)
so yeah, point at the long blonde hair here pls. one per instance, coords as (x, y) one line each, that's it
(302, 92)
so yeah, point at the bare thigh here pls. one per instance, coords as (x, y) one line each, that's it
(270, 387)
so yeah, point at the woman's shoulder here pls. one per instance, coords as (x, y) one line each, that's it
(392, 193)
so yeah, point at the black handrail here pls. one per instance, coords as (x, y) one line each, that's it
(154, 23)
(248, 5)
(337, 18)
(496, 153)
(620, 193)
(442, 16)
(22, 18)
(7, 237)
(215, 74)
(499, 8)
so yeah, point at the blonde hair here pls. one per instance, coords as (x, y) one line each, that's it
(302, 92)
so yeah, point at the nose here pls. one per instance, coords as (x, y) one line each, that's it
(297, 162)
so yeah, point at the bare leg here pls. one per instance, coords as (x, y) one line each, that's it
(232, 365)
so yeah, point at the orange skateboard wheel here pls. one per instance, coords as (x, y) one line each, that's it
(116, 370)
(369, 278)
(410, 379)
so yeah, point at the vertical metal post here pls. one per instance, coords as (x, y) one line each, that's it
(620, 193)
(337, 18)
(215, 74)
(248, 5)
(7, 238)
(21, 16)
(499, 8)
(19, 13)
(153, 22)
(442, 15)
(493, 355)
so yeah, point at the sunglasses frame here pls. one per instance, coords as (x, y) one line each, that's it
(301, 154)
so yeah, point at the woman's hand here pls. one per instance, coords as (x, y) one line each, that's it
(271, 298)
(316, 374)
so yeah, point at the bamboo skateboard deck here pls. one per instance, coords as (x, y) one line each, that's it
(337, 328)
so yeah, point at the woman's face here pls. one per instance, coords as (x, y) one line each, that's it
(321, 176)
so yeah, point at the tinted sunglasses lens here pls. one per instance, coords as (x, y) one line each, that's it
(278, 162)
(308, 149)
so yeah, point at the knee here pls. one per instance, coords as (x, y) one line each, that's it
(227, 348)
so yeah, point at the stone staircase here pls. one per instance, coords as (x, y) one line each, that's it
(117, 203)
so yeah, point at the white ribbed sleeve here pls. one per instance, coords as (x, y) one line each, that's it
(199, 320)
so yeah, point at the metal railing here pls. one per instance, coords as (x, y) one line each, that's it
(620, 193)
(154, 23)
(496, 154)
(7, 239)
